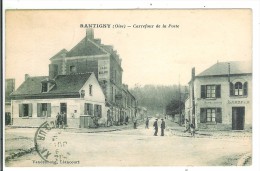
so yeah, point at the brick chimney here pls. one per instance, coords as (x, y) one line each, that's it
(90, 33)
(26, 76)
(53, 71)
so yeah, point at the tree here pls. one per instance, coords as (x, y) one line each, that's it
(173, 107)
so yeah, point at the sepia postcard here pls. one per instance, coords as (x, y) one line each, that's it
(132, 87)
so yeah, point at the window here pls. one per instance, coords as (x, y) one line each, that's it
(210, 115)
(210, 91)
(98, 110)
(238, 89)
(44, 87)
(82, 93)
(90, 90)
(72, 69)
(43, 109)
(25, 110)
(88, 109)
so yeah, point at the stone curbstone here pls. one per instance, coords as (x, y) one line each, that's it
(242, 161)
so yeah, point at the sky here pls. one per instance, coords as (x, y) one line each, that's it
(158, 56)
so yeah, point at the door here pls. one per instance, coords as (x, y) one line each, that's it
(238, 118)
(63, 110)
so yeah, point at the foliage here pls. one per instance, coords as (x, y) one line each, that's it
(156, 98)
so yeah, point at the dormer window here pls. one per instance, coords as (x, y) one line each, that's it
(44, 87)
(90, 90)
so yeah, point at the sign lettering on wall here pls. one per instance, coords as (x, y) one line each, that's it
(238, 101)
(103, 69)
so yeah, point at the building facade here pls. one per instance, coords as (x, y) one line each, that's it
(91, 56)
(40, 99)
(222, 97)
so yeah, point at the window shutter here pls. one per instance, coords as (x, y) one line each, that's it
(203, 91)
(231, 89)
(100, 111)
(39, 109)
(48, 109)
(218, 91)
(91, 109)
(20, 110)
(245, 88)
(218, 115)
(30, 110)
(85, 108)
(203, 115)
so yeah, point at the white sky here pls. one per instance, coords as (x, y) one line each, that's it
(149, 56)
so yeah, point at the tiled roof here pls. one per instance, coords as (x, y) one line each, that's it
(221, 68)
(86, 48)
(65, 84)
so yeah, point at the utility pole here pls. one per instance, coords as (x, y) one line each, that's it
(192, 97)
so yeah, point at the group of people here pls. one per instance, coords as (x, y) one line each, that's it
(155, 125)
(61, 120)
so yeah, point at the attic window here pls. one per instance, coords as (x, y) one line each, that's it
(44, 87)
(90, 90)
(82, 93)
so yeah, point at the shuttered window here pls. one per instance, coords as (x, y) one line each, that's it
(25, 110)
(43, 109)
(210, 115)
(210, 91)
(238, 89)
(88, 109)
(98, 110)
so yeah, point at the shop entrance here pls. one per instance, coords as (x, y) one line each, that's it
(238, 118)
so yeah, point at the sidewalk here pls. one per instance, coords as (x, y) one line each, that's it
(177, 130)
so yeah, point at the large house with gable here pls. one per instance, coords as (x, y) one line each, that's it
(90, 55)
(222, 97)
(41, 98)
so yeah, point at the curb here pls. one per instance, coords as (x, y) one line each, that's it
(242, 161)
(19, 154)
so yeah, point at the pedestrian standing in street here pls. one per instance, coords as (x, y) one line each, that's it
(187, 125)
(162, 127)
(126, 120)
(155, 125)
(192, 130)
(135, 123)
(147, 123)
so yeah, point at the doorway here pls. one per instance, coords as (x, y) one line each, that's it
(238, 118)
(63, 110)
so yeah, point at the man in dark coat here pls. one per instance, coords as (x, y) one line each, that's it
(162, 127)
(147, 123)
(155, 125)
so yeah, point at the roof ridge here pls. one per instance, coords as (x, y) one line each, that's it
(98, 46)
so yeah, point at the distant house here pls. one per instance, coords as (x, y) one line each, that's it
(9, 89)
(40, 99)
(222, 97)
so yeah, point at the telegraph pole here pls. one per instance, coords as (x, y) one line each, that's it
(192, 97)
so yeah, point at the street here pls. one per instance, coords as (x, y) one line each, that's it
(136, 147)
